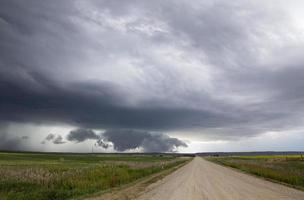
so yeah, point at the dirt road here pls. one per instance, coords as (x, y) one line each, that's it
(201, 179)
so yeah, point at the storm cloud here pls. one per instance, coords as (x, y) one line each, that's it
(80, 135)
(55, 139)
(221, 70)
(50, 137)
(126, 139)
(123, 140)
(58, 140)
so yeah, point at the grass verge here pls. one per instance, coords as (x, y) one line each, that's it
(30, 176)
(288, 170)
(133, 189)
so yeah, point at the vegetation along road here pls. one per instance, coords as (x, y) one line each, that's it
(201, 179)
(52, 176)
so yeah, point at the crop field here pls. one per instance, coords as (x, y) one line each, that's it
(288, 169)
(66, 176)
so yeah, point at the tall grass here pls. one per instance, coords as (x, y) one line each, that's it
(285, 169)
(69, 176)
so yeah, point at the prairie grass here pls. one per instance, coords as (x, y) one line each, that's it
(288, 169)
(65, 176)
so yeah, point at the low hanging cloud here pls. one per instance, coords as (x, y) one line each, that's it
(58, 140)
(25, 137)
(50, 137)
(101, 142)
(124, 140)
(81, 134)
(55, 139)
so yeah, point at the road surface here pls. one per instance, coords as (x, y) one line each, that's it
(201, 179)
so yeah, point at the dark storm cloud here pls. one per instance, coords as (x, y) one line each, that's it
(101, 142)
(80, 135)
(58, 140)
(123, 140)
(221, 69)
(50, 137)
(96, 106)
(55, 139)
(25, 137)
(131, 139)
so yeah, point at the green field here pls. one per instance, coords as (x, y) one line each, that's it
(288, 169)
(65, 176)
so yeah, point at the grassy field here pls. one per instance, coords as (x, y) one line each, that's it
(66, 176)
(288, 169)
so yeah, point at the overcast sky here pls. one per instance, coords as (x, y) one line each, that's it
(163, 75)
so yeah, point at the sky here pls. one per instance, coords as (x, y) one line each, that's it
(151, 76)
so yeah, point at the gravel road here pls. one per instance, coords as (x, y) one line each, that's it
(201, 179)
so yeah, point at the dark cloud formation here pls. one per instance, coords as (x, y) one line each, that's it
(58, 140)
(102, 142)
(55, 139)
(80, 135)
(50, 137)
(123, 140)
(25, 137)
(221, 70)
(94, 106)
